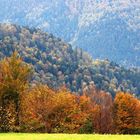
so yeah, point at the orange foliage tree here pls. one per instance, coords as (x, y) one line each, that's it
(55, 111)
(126, 112)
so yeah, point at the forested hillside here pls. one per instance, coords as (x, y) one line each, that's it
(38, 108)
(104, 28)
(56, 64)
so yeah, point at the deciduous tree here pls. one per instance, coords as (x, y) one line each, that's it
(14, 75)
(126, 112)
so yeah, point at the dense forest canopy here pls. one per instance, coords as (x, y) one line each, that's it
(56, 63)
(38, 108)
(104, 28)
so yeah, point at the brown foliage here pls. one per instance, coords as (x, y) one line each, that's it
(102, 116)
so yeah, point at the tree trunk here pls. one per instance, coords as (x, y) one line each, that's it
(3, 121)
(17, 108)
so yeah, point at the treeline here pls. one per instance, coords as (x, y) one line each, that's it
(38, 108)
(56, 63)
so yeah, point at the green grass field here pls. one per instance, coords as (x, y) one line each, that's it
(14, 136)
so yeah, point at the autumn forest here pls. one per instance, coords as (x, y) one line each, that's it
(69, 69)
(27, 107)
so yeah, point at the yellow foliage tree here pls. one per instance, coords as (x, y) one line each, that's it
(14, 77)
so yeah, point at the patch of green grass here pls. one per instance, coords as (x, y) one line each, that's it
(20, 136)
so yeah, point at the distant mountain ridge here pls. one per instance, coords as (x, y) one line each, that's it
(106, 29)
(56, 63)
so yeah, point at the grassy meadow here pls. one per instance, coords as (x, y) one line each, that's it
(14, 136)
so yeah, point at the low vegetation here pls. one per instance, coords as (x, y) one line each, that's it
(66, 137)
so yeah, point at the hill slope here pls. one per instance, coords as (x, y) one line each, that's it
(56, 63)
(106, 29)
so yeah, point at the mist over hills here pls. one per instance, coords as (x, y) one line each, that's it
(106, 29)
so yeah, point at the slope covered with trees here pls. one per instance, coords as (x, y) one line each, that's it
(56, 63)
(38, 108)
(104, 28)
